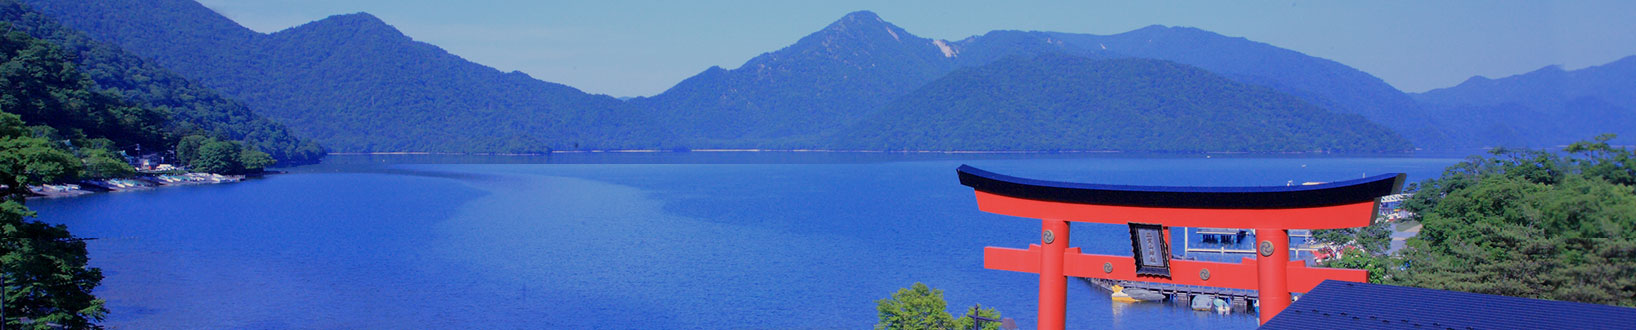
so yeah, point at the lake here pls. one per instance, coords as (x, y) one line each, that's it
(607, 240)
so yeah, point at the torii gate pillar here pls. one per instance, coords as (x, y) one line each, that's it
(1271, 211)
(1271, 258)
(1053, 282)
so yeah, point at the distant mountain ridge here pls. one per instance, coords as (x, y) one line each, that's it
(1319, 81)
(1062, 102)
(357, 84)
(1544, 108)
(742, 99)
(822, 82)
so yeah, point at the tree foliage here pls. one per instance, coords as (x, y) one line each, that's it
(350, 81)
(45, 278)
(915, 307)
(47, 285)
(253, 160)
(1525, 223)
(44, 87)
(217, 157)
(161, 101)
(965, 321)
(30, 160)
(921, 307)
(1061, 102)
(1374, 239)
(104, 164)
(187, 148)
(209, 155)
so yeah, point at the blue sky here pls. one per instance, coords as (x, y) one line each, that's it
(640, 48)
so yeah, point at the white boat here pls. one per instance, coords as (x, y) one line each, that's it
(1202, 302)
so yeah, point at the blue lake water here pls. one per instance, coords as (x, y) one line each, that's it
(668, 240)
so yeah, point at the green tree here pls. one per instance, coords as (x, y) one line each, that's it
(12, 126)
(46, 281)
(255, 160)
(104, 164)
(187, 149)
(1611, 164)
(45, 278)
(29, 160)
(101, 144)
(217, 157)
(916, 307)
(1375, 238)
(1524, 223)
(965, 320)
(1379, 272)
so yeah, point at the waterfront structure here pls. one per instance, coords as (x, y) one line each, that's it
(1151, 210)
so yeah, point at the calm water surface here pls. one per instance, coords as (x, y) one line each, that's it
(689, 240)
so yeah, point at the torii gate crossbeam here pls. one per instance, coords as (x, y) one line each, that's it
(1271, 211)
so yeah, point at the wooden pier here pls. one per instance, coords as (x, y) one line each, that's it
(1177, 294)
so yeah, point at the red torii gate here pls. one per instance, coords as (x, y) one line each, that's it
(1271, 211)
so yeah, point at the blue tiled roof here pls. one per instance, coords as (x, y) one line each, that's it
(1328, 194)
(1348, 305)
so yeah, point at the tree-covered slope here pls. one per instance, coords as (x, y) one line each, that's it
(192, 108)
(42, 86)
(1547, 107)
(1543, 224)
(822, 82)
(858, 64)
(356, 84)
(1062, 102)
(1321, 82)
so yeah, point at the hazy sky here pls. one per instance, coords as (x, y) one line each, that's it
(641, 48)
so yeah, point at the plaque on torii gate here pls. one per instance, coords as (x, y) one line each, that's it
(1151, 210)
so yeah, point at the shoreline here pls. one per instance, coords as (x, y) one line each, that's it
(139, 183)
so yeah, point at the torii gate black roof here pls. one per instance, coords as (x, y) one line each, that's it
(1347, 305)
(1263, 197)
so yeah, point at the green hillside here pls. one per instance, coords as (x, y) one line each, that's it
(189, 108)
(357, 84)
(1061, 102)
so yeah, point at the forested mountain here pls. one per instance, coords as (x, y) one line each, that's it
(1547, 107)
(58, 102)
(1319, 81)
(1064, 102)
(850, 68)
(824, 81)
(356, 84)
(188, 107)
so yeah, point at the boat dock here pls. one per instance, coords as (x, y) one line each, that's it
(1242, 301)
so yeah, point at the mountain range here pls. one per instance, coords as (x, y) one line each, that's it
(860, 62)
(1089, 104)
(1544, 108)
(357, 84)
